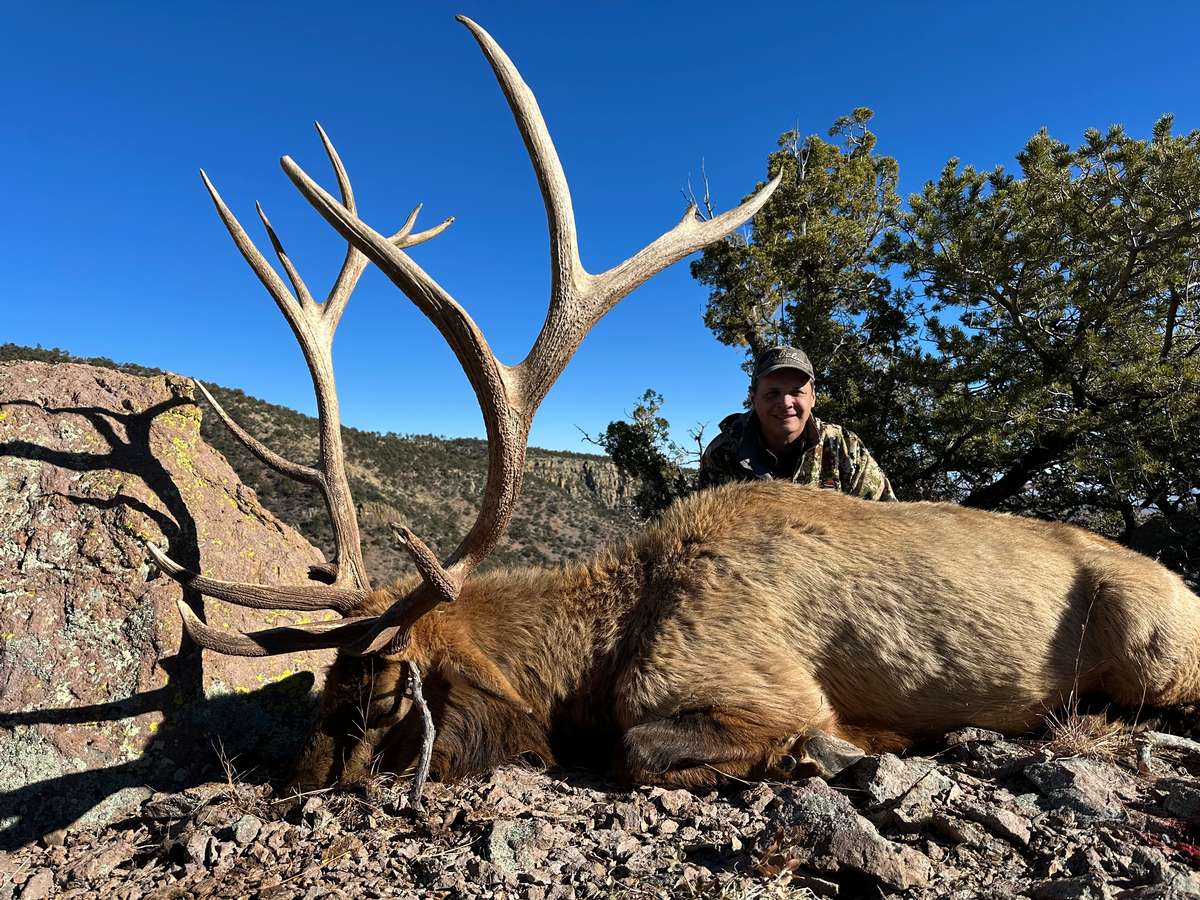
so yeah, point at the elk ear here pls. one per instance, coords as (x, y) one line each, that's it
(469, 662)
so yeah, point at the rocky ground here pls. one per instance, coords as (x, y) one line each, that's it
(1078, 816)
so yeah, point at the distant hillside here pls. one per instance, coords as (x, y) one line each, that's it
(571, 503)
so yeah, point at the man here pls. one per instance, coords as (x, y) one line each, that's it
(780, 437)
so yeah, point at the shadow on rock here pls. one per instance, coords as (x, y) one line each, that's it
(112, 700)
(252, 736)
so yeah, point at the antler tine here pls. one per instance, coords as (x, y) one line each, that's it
(405, 238)
(270, 279)
(691, 234)
(301, 288)
(260, 596)
(356, 262)
(454, 323)
(258, 448)
(565, 267)
(274, 641)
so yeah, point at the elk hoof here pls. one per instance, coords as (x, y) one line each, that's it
(828, 754)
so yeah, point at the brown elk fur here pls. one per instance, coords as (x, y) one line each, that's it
(750, 614)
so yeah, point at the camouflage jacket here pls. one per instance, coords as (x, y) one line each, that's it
(833, 458)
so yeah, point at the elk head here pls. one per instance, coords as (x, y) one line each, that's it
(385, 637)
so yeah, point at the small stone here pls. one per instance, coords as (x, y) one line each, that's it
(1152, 862)
(163, 807)
(508, 846)
(39, 886)
(1088, 887)
(629, 818)
(196, 848)
(999, 822)
(1182, 798)
(757, 798)
(971, 735)
(95, 866)
(817, 825)
(886, 778)
(956, 830)
(627, 846)
(673, 803)
(1082, 786)
(246, 829)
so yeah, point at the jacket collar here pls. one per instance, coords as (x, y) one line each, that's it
(752, 453)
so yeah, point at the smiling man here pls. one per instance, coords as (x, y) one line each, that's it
(780, 438)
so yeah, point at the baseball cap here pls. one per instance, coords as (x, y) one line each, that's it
(777, 358)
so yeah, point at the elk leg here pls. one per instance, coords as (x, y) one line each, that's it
(698, 748)
(1145, 637)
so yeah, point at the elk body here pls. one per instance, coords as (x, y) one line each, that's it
(752, 615)
(717, 642)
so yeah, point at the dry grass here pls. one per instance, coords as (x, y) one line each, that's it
(1070, 732)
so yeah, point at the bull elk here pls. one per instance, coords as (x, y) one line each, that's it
(720, 639)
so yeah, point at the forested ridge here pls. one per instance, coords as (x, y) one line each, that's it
(571, 503)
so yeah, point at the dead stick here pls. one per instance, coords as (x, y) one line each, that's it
(418, 785)
(1147, 739)
(1172, 741)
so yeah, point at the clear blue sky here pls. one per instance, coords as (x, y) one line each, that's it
(111, 246)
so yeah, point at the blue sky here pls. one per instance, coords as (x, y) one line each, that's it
(112, 248)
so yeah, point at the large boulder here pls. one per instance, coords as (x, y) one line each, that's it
(98, 702)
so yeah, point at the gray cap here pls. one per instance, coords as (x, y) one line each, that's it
(777, 358)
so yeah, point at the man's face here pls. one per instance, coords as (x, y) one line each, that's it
(783, 402)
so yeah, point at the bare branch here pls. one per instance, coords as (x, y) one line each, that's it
(427, 736)
(690, 195)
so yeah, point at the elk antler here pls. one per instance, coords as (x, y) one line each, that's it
(314, 325)
(508, 395)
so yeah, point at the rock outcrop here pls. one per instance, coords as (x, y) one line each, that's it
(581, 476)
(97, 698)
